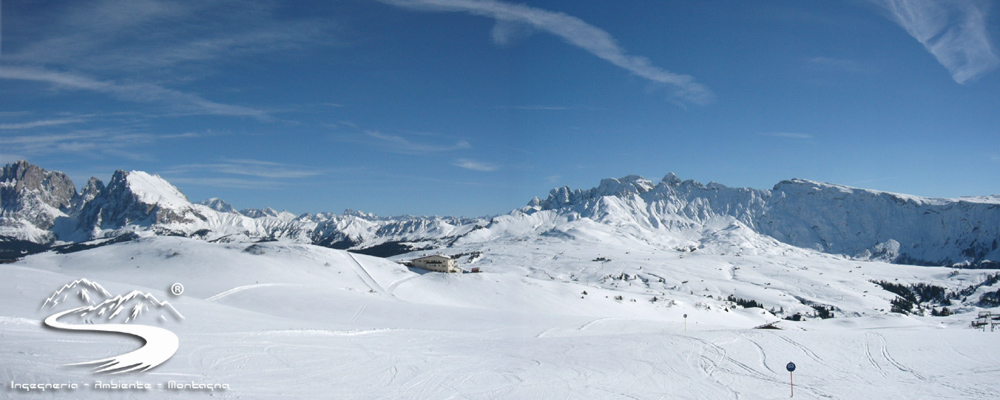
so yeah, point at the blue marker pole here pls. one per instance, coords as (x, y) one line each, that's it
(791, 368)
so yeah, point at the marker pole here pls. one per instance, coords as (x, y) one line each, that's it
(791, 382)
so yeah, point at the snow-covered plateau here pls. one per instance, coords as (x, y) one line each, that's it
(632, 289)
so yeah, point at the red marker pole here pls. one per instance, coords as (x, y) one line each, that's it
(791, 368)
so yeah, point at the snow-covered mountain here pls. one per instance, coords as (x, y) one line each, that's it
(31, 200)
(45, 210)
(830, 218)
(218, 204)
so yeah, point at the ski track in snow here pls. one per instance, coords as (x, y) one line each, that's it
(868, 353)
(392, 286)
(361, 310)
(884, 348)
(365, 276)
(760, 350)
(246, 287)
(804, 349)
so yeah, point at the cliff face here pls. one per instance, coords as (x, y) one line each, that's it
(31, 199)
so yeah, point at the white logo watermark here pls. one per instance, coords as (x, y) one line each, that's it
(94, 309)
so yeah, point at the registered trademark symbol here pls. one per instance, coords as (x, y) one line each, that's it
(177, 289)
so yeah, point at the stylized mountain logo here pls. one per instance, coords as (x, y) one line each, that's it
(100, 312)
(136, 304)
(81, 289)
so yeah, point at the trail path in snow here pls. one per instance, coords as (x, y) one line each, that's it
(365, 276)
(245, 287)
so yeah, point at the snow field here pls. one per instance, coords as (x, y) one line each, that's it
(285, 320)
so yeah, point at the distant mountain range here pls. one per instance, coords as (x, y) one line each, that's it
(42, 210)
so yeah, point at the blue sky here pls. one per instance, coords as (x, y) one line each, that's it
(465, 107)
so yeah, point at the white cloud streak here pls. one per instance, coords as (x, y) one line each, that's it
(246, 167)
(40, 123)
(237, 183)
(788, 135)
(954, 32)
(94, 142)
(102, 142)
(572, 30)
(505, 33)
(537, 108)
(134, 92)
(475, 165)
(401, 145)
(156, 35)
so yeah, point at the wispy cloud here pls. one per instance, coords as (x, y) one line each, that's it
(475, 165)
(788, 135)
(572, 30)
(246, 174)
(39, 123)
(115, 141)
(96, 141)
(155, 44)
(237, 183)
(955, 32)
(133, 92)
(505, 33)
(402, 145)
(13, 113)
(248, 167)
(142, 35)
(536, 108)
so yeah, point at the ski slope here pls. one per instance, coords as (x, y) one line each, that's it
(285, 320)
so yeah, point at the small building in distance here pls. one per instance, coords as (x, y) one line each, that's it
(437, 263)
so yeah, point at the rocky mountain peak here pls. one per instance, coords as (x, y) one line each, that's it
(218, 204)
(33, 195)
(21, 179)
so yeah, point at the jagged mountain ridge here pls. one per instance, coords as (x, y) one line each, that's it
(137, 203)
(671, 213)
(826, 217)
